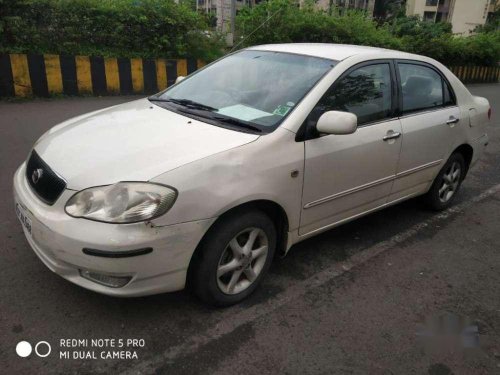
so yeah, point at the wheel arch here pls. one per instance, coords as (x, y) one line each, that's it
(272, 209)
(467, 152)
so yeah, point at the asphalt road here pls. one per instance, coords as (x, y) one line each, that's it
(353, 300)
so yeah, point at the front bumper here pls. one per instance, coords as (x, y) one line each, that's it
(59, 239)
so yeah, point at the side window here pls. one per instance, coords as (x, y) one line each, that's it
(366, 92)
(423, 88)
(449, 99)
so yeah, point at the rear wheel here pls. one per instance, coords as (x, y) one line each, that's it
(447, 183)
(233, 258)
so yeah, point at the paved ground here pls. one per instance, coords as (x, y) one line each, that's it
(350, 301)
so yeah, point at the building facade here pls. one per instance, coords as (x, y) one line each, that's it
(464, 15)
(342, 5)
(224, 12)
(222, 9)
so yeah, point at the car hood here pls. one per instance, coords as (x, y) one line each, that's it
(135, 141)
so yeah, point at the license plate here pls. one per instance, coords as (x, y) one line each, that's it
(23, 218)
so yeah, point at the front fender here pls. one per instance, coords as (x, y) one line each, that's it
(261, 170)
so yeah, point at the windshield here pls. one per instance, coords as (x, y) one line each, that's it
(252, 89)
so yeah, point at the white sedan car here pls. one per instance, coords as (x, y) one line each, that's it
(202, 184)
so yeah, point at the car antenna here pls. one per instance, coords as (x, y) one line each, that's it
(257, 28)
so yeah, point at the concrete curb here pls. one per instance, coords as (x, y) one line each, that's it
(26, 75)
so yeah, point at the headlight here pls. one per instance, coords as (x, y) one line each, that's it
(124, 202)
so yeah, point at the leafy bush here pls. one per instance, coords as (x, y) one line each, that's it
(479, 49)
(125, 28)
(161, 28)
(290, 23)
(280, 21)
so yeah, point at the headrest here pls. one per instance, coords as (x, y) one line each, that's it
(418, 85)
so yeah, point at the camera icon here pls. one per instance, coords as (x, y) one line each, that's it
(42, 349)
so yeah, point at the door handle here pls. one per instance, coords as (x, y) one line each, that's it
(391, 135)
(452, 120)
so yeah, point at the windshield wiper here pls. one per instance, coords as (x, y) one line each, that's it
(234, 121)
(186, 103)
(209, 112)
(226, 120)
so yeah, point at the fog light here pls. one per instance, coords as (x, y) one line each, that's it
(111, 281)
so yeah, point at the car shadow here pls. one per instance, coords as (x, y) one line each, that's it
(303, 260)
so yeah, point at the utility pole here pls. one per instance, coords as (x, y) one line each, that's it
(226, 15)
(233, 20)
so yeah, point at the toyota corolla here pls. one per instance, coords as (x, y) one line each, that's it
(204, 183)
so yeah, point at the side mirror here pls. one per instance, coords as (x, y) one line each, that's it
(178, 79)
(337, 122)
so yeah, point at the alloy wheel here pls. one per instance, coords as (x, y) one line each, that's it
(450, 183)
(242, 261)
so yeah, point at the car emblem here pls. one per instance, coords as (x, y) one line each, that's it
(36, 175)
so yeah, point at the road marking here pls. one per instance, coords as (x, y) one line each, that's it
(53, 73)
(182, 68)
(161, 74)
(236, 316)
(112, 76)
(83, 74)
(200, 64)
(137, 75)
(21, 74)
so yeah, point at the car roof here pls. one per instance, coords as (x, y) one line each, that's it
(331, 51)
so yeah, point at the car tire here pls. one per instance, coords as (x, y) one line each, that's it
(446, 184)
(227, 253)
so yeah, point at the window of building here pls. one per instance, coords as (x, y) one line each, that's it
(441, 17)
(431, 3)
(429, 16)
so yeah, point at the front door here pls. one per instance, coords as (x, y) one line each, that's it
(346, 175)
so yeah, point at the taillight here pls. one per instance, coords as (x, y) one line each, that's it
(489, 114)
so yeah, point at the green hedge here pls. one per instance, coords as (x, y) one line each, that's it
(161, 28)
(289, 23)
(125, 28)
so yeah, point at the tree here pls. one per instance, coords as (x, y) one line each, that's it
(386, 10)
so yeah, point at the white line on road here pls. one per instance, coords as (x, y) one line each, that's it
(235, 317)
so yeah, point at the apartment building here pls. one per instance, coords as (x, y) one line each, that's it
(464, 15)
(224, 11)
(341, 5)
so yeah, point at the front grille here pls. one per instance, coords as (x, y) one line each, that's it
(44, 182)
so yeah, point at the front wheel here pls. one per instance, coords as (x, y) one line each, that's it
(447, 183)
(233, 258)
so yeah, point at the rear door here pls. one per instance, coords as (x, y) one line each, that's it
(429, 120)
